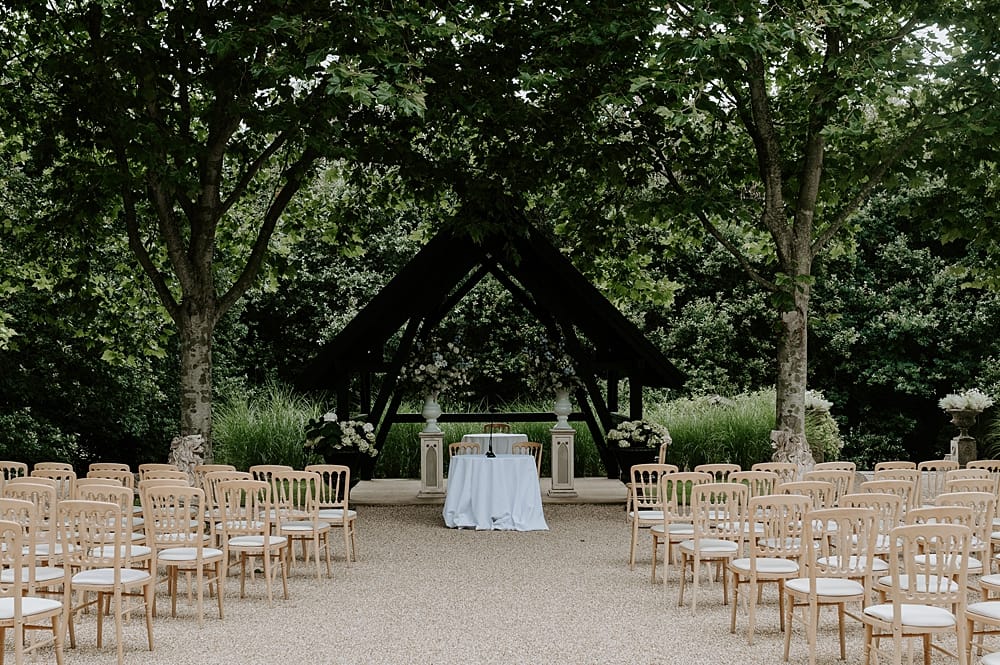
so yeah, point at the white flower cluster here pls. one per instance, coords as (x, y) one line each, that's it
(816, 400)
(325, 434)
(638, 434)
(967, 400)
(358, 434)
(436, 369)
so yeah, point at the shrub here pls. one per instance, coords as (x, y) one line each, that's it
(29, 439)
(263, 427)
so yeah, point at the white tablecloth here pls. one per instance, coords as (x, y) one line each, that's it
(499, 493)
(501, 442)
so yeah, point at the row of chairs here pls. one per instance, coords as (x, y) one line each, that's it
(722, 517)
(247, 517)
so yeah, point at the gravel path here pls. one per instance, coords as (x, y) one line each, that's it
(422, 593)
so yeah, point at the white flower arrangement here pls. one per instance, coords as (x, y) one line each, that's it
(638, 434)
(967, 400)
(326, 434)
(435, 367)
(815, 400)
(551, 367)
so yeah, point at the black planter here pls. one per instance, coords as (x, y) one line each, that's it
(627, 457)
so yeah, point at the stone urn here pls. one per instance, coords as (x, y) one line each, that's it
(431, 412)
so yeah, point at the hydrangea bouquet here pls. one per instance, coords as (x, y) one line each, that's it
(326, 434)
(638, 434)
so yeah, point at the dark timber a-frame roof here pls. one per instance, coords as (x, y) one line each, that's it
(602, 341)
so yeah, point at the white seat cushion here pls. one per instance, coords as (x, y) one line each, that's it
(336, 514)
(30, 605)
(710, 546)
(42, 574)
(256, 541)
(918, 616)
(187, 554)
(990, 659)
(904, 582)
(974, 565)
(987, 608)
(990, 581)
(106, 576)
(678, 529)
(767, 566)
(647, 515)
(827, 586)
(304, 526)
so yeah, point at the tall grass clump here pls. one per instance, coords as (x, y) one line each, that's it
(264, 426)
(717, 429)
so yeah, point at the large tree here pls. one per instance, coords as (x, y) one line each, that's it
(195, 124)
(768, 125)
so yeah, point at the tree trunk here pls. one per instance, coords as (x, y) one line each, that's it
(196, 329)
(790, 406)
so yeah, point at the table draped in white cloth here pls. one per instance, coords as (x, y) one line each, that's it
(501, 442)
(499, 493)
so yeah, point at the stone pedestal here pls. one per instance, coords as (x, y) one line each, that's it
(431, 464)
(963, 450)
(563, 445)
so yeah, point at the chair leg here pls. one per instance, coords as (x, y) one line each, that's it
(631, 547)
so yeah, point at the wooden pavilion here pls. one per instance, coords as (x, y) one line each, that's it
(600, 340)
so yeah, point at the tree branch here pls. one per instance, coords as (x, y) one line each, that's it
(295, 175)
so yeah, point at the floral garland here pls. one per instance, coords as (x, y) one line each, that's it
(638, 434)
(326, 434)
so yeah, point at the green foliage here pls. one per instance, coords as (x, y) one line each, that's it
(717, 429)
(263, 426)
(823, 435)
(26, 438)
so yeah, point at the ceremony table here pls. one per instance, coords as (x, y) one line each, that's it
(499, 493)
(501, 442)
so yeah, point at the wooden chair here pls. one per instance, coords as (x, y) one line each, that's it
(10, 469)
(930, 483)
(24, 611)
(64, 479)
(674, 489)
(787, 471)
(496, 428)
(213, 514)
(36, 575)
(842, 479)
(758, 483)
(94, 548)
(775, 549)
(334, 496)
(463, 448)
(838, 571)
(719, 471)
(43, 496)
(137, 553)
(888, 509)
(922, 600)
(644, 503)
(971, 485)
(895, 464)
(820, 492)
(718, 518)
(166, 474)
(297, 507)
(532, 448)
(904, 489)
(246, 509)
(983, 506)
(179, 539)
(155, 466)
